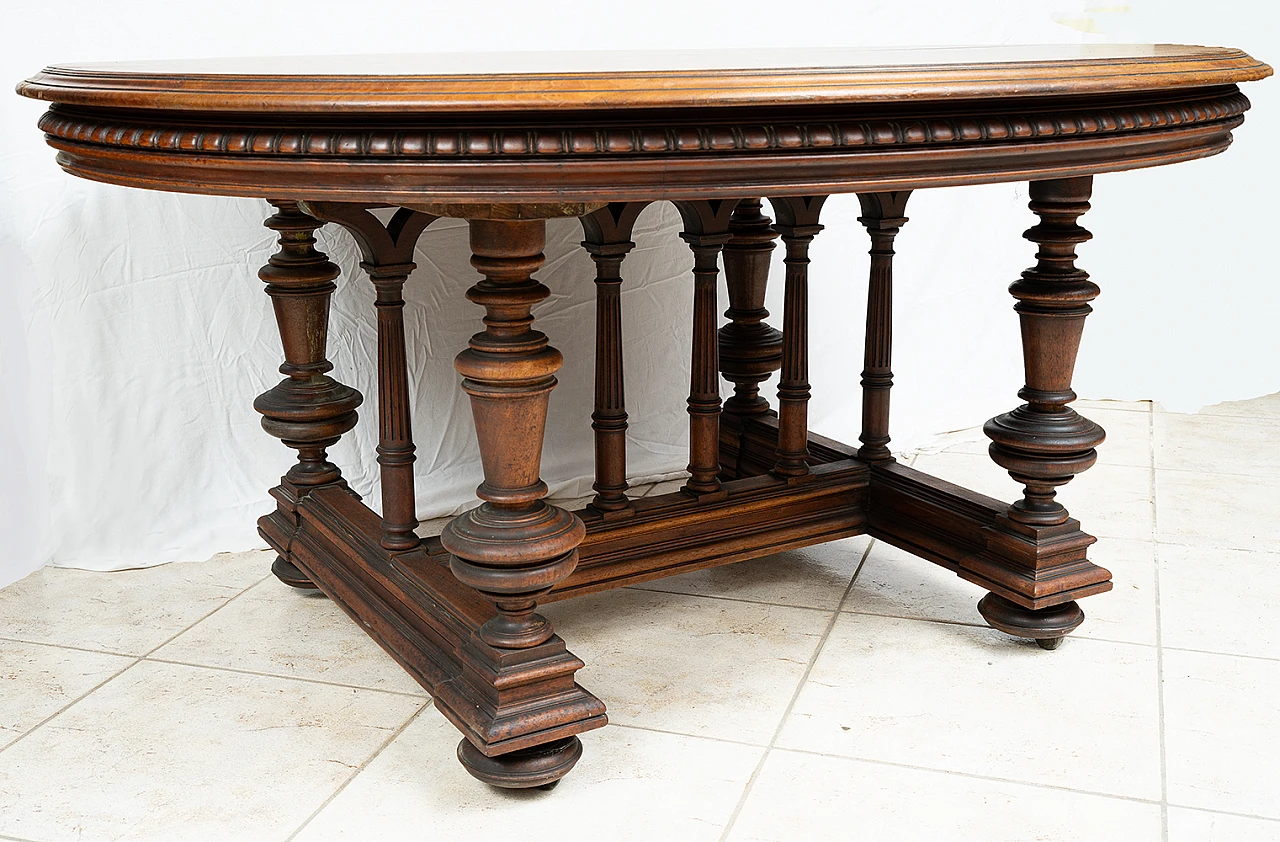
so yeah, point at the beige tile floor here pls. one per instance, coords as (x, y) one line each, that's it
(847, 691)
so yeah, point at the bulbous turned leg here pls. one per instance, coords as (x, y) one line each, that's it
(540, 766)
(307, 410)
(1036, 564)
(515, 547)
(1047, 626)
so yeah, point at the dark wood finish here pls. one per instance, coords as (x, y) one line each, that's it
(388, 259)
(798, 225)
(882, 214)
(608, 241)
(308, 410)
(534, 139)
(750, 350)
(706, 230)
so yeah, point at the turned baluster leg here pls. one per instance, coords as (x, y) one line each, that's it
(308, 410)
(515, 546)
(706, 231)
(750, 350)
(798, 225)
(882, 215)
(1044, 442)
(388, 260)
(608, 241)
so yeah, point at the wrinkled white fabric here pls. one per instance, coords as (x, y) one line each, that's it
(134, 333)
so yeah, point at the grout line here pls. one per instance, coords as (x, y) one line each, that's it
(804, 679)
(15, 838)
(1226, 813)
(1155, 536)
(977, 776)
(72, 648)
(1220, 654)
(401, 693)
(359, 769)
(684, 734)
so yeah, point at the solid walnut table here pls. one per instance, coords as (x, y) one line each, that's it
(507, 141)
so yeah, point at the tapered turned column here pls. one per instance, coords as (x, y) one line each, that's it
(514, 547)
(1044, 442)
(308, 410)
(882, 215)
(388, 259)
(750, 350)
(608, 241)
(798, 225)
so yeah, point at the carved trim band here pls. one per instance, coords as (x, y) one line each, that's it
(451, 142)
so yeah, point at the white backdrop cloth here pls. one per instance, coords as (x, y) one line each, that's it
(135, 333)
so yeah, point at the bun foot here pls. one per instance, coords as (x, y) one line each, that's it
(1046, 627)
(541, 766)
(290, 575)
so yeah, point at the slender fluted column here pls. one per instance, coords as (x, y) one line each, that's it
(706, 230)
(882, 214)
(798, 225)
(388, 259)
(608, 241)
(308, 410)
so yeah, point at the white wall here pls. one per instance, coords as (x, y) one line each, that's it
(134, 333)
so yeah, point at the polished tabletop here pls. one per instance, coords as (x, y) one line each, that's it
(593, 80)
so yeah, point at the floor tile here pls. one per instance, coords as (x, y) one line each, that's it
(1220, 600)
(799, 796)
(37, 681)
(706, 667)
(1217, 510)
(1128, 437)
(894, 583)
(1221, 729)
(171, 753)
(811, 577)
(1109, 500)
(273, 628)
(630, 784)
(128, 611)
(1201, 826)
(1267, 406)
(975, 701)
(1217, 444)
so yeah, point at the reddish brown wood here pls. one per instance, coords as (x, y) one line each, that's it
(750, 350)
(308, 410)
(706, 230)
(507, 150)
(608, 241)
(514, 547)
(798, 225)
(388, 259)
(882, 214)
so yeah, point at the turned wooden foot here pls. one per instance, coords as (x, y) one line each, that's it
(289, 574)
(540, 766)
(1046, 626)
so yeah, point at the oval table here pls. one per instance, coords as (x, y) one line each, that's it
(508, 141)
